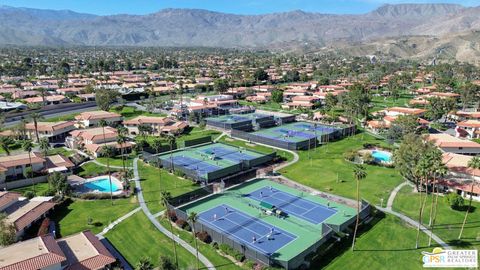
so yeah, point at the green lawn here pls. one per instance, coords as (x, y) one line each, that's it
(448, 222)
(256, 147)
(117, 161)
(39, 188)
(152, 185)
(91, 169)
(136, 237)
(207, 250)
(73, 217)
(131, 112)
(66, 117)
(327, 165)
(16, 145)
(190, 134)
(60, 150)
(380, 103)
(389, 244)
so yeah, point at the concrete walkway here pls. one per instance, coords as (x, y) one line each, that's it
(157, 224)
(410, 221)
(116, 222)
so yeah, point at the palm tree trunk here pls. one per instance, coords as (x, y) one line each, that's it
(174, 244)
(434, 216)
(108, 166)
(358, 215)
(31, 171)
(36, 130)
(468, 209)
(419, 215)
(196, 244)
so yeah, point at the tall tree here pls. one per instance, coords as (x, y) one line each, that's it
(5, 144)
(105, 98)
(171, 140)
(103, 124)
(35, 118)
(165, 198)
(27, 146)
(473, 164)
(359, 173)
(439, 170)
(144, 264)
(44, 145)
(193, 217)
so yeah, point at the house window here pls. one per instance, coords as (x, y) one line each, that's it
(460, 148)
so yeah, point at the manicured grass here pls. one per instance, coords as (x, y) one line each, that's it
(206, 249)
(136, 237)
(60, 150)
(117, 161)
(327, 165)
(131, 112)
(448, 221)
(73, 217)
(380, 103)
(152, 185)
(91, 169)
(190, 134)
(66, 117)
(40, 188)
(256, 147)
(16, 145)
(390, 244)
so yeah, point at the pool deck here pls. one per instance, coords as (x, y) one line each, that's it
(80, 188)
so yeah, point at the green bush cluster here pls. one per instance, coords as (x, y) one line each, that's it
(183, 224)
(232, 252)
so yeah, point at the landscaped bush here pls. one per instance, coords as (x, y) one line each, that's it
(368, 158)
(215, 245)
(179, 173)
(455, 201)
(48, 192)
(94, 196)
(29, 194)
(350, 155)
(183, 224)
(165, 263)
(43, 230)
(239, 257)
(249, 264)
(232, 252)
(172, 215)
(204, 237)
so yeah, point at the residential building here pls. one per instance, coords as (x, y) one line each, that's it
(89, 119)
(53, 131)
(460, 176)
(47, 100)
(159, 125)
(469, 129)
(451, 144)
(13, 167)
(93, 139)
(80, 251)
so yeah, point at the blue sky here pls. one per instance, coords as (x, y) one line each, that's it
(107, 7)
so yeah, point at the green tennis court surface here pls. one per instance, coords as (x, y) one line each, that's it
(303, 230)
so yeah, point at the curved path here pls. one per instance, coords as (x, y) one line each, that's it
(157, 224)
(407, 219)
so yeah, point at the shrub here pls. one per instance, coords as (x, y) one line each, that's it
(165, 263)
(183, 224)
(249, 264)
(225, 248)
(29, 194)
(455, 201)
(215, 245)
(43, 230)
(172, 215)
(204, 237)
(48, 192)
(179, 173)
(350, 155)
(368, 158)
(239, 257)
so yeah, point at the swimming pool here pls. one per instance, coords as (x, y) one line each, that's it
(382, 156)
(103, 185)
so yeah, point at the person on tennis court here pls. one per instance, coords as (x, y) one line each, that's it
(254, 239)
(214, 217)
(271, 188)
(328, 204)
(261, 194)
(270, 235)
(226, 210)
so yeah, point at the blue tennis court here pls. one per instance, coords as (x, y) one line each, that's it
(229, 154)
(245, 228)
(194, 164)
(293, 205)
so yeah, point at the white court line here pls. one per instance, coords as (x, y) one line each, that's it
(291, 238)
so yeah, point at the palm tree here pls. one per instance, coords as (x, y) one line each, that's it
(121, 140)
(157, 145)
(440, 170)
(5, 144)
(27, 146)
(474, 164)
(193, 217)
(103, 124)
(144, 264)
(44, 146)
(171, 140)
(423, 169)
(165, 197)
(35, 118)
(359, 173)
